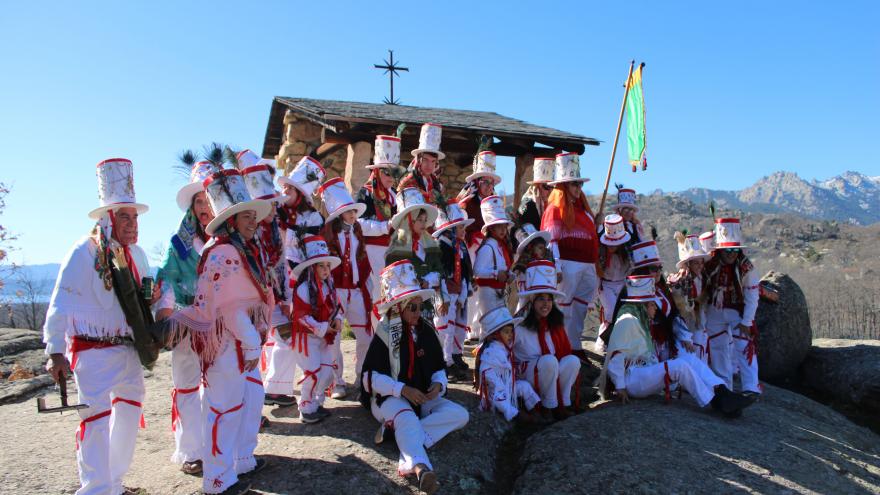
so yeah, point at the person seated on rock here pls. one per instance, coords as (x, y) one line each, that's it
(499, 387)
(687, 290)
(542, 349)
(632, 366)
(404, 379)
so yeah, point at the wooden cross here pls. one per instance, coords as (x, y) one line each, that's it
(391, 70)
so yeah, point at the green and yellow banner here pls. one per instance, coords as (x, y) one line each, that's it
(635, 121)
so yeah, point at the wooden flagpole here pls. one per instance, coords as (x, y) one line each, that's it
(599, 217)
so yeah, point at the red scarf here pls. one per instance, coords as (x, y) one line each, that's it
(415, 239)
(456, 272)
(291, 212)
(561, 344)
(504, 246)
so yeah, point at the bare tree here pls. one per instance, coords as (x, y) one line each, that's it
(31, 299)
(7, 239)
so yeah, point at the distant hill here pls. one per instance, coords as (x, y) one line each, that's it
(850, 197)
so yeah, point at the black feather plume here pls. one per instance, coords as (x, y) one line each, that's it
(214, 154)
(618, 186)
(185, 161)
(712, 209)
(654, 233)
(231, 156)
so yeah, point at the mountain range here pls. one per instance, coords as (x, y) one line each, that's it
(850, 197)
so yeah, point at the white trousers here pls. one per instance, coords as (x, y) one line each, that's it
(700, 339)
(356, 314)
(487, 299)
(280, 365)
(452, 328)
(252, 416)
(111, 382)
(186, 404)
(579, 284)
(746, 362)
(686, 370)
(223, 405)
(720, 325)
(317, 362)
(553, 378)
(608, 294)
(508, 406)
(376, 255)
(472, 329)
(414, 434)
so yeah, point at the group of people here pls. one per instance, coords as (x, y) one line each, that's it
(259, 284)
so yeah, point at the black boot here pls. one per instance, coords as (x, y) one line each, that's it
(458, 360)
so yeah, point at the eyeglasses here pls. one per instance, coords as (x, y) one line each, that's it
(385, 172)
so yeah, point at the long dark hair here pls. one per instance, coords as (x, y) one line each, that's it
(553, 319)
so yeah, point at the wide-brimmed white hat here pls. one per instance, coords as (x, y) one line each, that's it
(493, 212)
(626, 198)
(707, 241)
(484, 166)
(316, 251)
(615, 234)
(540, 279)
(200, 171)
(386, 152)
(495, 319)
(452, 217)
(337, 200)
(228, 195)
(728, 234)
(542, 171)
(410, 200)
(645, 254)
(640, 288)
(116, 187)
(398, 283)
(306, 176)
(429, 140)
(568, 169)
(528, 233)
(689, 248)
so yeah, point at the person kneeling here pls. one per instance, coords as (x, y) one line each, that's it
(403, 379)
(633, 366)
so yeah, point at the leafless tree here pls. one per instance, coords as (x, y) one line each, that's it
(30, 298)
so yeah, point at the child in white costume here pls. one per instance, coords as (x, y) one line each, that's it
(613, 267)
(687, 290)
(494, 260)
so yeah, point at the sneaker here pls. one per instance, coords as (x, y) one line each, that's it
(279, 400)
(310, 418)
(339, 392)
(323, 412)
(193, 468)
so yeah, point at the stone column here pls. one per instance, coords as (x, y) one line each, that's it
(523, 173)
(356, 162)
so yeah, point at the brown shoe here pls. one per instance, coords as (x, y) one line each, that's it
(427, 481)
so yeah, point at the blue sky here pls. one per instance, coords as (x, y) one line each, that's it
(734, 90)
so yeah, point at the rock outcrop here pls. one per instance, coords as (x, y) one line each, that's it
(784, 332)
(845, 371)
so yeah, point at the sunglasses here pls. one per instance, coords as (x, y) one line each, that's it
(730, 250)
(546, 187)
(413, 307)
(385, 172)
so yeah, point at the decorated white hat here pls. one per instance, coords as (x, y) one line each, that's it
(526, 234)
(689, 248)
(568, 169)
(492, 210)
(542, 171)
(728, 234)
(338, 200)
(398, 283)
(258, 179)
(645, 254)
(626, 198)
(707, 241)
(450, 218)
(199, 172)
(306, 176)
(495, 319)
(429, 140)
(410, 200)
(386, 152)
(615, 234)
(116, 187)
(316, 251)
(484, 166)
(640, 288)
(540, 279)
(228, 195)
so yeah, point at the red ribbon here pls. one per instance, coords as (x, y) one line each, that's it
(175, 412)
(215, 449)
(81, 434)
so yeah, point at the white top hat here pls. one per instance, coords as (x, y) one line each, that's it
(484, 167)
(689, 248)
(306, 176)
(116, 187)
(615, 234)
(429, 141)
(386, 152)
(645, 254)
(410, 200)
(568, 169)
(398, 283)
(492, 209)
(316, 251)
(626, 198)
(258, 179)
(450, 218)
(540, 279)
(246, 158)
(528, 233)
(338, 200)
(495, 319)
(640, 288)
(728, 234)
(200, 171)
(542, 171)
(707, 241)
(228, 195)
